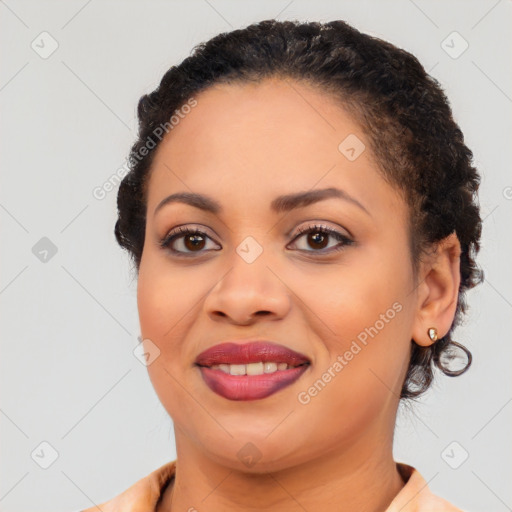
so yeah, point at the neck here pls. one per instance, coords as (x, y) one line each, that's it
(363, 477)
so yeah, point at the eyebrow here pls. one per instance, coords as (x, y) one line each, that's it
(284, 203)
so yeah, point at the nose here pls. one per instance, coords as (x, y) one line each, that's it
(248, 292)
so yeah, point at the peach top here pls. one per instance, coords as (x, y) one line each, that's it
(143, 496)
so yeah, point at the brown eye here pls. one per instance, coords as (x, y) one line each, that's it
(193, 242)
(184, 241)
(317, 239)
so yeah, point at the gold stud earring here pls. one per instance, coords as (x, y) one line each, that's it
(432, 333)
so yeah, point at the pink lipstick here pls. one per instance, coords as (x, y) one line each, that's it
(250, 371)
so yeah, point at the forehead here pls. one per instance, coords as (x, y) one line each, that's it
(263, 138)
(268, 118)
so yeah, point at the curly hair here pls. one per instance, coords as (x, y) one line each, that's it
(402, 110)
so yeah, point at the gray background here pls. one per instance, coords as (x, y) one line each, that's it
(69, 323)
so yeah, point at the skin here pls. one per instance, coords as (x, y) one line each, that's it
(243, 145)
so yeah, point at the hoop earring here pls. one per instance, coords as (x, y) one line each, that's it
(432, 333)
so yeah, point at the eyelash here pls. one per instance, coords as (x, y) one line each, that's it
(181, 232)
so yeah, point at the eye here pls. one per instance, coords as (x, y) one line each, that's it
(317, 237)
(185, 240)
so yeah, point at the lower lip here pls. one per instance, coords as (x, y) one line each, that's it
(250, 387)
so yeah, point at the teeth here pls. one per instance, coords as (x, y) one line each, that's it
(258, 368)
(270, 367)
(254, 369)
(237, 369)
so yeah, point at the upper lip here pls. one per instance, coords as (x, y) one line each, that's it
(252, 352)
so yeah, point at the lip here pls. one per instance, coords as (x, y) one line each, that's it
(245, 353)
(250, 387)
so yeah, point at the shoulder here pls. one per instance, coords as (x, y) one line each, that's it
(416, 496)
(143, 495)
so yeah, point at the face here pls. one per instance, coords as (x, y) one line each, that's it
(329, 278)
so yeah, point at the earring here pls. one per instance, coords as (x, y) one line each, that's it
(432, 333)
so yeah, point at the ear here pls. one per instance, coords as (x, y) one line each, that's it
(438, 291)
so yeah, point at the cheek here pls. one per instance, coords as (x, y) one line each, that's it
(164, 295)
(167, 299)
(159, 311)
(364, 298)
(363, 317)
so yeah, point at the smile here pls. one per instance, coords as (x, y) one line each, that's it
(250, 371)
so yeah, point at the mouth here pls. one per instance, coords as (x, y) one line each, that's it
(250, 371)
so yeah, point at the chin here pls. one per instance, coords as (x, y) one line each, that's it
(253, 460)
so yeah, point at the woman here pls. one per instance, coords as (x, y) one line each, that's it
(301, 211)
